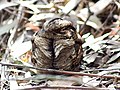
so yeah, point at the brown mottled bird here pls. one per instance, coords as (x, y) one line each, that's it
(57, 46)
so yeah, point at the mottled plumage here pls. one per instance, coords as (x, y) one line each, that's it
(56, 46)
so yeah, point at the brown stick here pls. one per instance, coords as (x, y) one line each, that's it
(61, 87)
(62, 72)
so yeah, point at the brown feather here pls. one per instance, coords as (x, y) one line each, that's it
(55, 46)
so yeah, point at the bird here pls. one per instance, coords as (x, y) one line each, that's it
(57, 46)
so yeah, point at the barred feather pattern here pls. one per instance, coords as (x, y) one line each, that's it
(56, 50)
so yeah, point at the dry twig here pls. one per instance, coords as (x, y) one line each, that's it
(49, 71)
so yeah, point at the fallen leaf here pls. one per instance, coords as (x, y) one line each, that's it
(32, 27)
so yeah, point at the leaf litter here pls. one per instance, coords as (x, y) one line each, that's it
(98, 23)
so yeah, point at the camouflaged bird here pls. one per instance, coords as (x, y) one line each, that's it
(57, 46)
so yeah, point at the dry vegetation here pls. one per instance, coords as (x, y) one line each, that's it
(97, 21)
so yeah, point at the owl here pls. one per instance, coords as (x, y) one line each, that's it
(57, 46)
